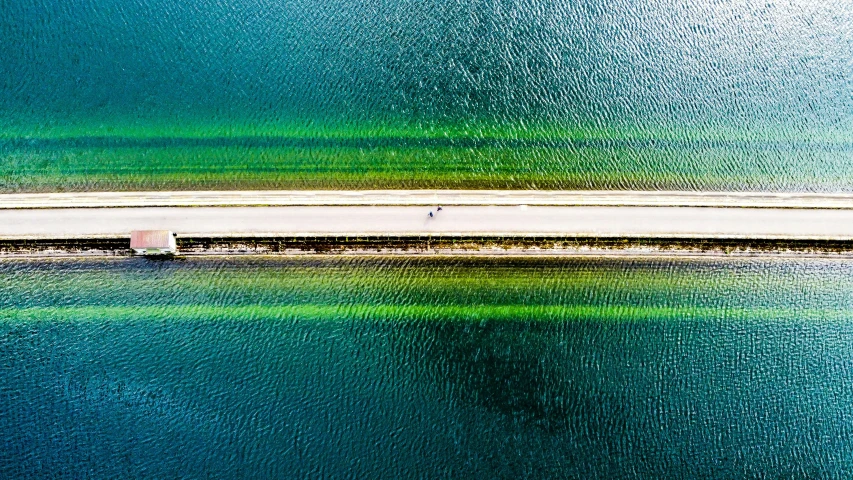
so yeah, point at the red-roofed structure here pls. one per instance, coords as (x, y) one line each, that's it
(153, 242)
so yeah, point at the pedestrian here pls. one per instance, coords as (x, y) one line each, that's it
(439, 208)
(430, 214)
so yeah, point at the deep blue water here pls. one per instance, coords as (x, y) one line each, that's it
(426, 94)
(413, 368)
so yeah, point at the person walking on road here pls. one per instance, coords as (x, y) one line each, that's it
(430, 214)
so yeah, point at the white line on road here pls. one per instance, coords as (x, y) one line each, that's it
(426, 198)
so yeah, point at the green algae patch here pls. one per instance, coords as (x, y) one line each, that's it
(412, 289)
(377, 157)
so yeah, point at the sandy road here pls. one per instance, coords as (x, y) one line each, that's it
(700, 222)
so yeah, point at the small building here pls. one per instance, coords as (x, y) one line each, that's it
(153, 242)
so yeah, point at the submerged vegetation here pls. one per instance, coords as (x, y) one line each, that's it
(458, 289)
(412, 159)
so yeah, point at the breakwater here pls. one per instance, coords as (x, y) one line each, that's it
(426, 245)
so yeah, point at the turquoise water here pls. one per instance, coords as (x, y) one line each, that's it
(419, 367)
(155, 94)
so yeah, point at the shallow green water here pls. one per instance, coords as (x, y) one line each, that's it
(154, 94)
(419, 367)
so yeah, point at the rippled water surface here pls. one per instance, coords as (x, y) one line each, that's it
(403, 368)
(675, 94)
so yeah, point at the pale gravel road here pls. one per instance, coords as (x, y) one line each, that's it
(703, 222)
